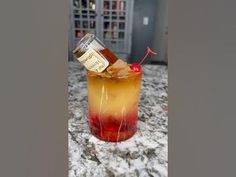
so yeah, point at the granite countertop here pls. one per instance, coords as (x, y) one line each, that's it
(143, 155)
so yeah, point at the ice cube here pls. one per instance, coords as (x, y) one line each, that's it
(119, 68)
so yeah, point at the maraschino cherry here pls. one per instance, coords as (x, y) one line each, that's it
(136, 67)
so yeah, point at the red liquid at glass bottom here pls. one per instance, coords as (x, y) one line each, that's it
(113, 129)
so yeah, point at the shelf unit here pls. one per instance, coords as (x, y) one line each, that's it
(109, 20)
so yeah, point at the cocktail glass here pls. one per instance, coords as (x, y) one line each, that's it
(113, 105)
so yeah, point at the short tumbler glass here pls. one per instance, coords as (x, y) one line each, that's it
(113, 106)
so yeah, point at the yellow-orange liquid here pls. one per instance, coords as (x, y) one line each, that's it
(113, 106)
(108, 55)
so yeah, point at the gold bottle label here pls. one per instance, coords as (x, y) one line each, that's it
(93, 61)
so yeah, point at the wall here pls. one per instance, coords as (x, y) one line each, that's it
(161, 30)
(142, 34)
(152, 35)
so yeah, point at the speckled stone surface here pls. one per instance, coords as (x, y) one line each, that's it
(143, 155)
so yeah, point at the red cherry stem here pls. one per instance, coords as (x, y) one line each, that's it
(149, 51)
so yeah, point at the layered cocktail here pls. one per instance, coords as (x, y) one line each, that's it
(113, 104)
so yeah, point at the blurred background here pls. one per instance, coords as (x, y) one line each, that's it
(126, 27)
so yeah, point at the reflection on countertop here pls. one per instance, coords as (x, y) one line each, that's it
(145, 154)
